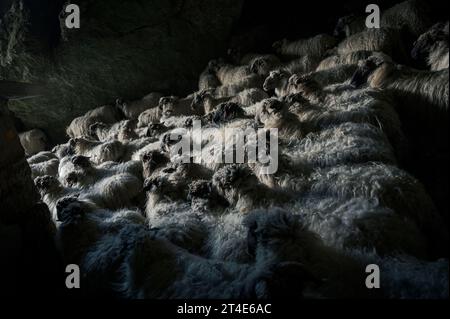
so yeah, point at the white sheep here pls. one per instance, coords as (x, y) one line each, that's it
(240, 187)
(315, 46)
(278, 81)
(41, 157)
(113, 192)
(386, 40)
(133, 109)
(273, 113)
(33, 141)
(122, 131)
(349, 58)
(150, 116)
(206, 102)
(79, 127)
(49, 167)
(98, 152)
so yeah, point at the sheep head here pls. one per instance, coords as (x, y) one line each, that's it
(93, 128)
(46, 184)
(263, 65)
(275, 79)
(201, 101)
(270, 112)
(153, 160)
(304, 84)
(227, 111)
(167, 105)
(81, 161)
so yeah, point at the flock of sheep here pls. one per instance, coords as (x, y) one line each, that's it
(140, 225)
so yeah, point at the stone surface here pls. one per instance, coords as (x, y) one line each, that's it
(123, 49)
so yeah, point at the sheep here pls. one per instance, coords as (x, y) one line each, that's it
(273, 113)
(208, 79)
(95, 239)
(389, 186)
(349, 25)
(349, 58)
(49, 167)
(98, 152)
(432, 46)
(240, 187)
(113, 192)
(79, 171)
(361, 224)
(150, 116)
(428, 91)
(278, 80)
(386, 40)
(206, 102)
(342, 144)
(412, 15)
(41, 157)
(190, 275)
(79, 127)
(277, 235)
(153, 162)
(33, 141)
(304, 64)
(63, 150)
(122, 131)
(132, 110)
(338, 74)
(174, 106)
(231, 90)
(315, 46)
(262, 65)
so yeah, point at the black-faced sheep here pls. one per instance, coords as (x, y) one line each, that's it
(33, 141)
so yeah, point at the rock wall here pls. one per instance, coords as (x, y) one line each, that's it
(28, 259)
(123, 49)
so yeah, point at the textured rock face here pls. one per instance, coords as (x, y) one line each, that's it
(26, 230)
(123, 48)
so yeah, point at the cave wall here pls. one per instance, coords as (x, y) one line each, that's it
(123, 49)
